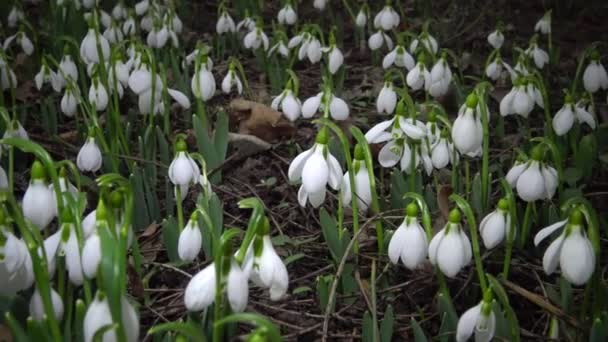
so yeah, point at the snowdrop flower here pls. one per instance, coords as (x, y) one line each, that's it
(98, 316)
(37, 307)
(268, 270)
(190, 240)
(478, 320)
(225, 24)
(496, 39)
(399, 57)
(14, 16)
(517, 101)
(379, 38)
(157, 37)
(540, 56)
(441, 77)
(419, 77)
(338, 109)
(387, 19)
(3, 179)
(14, 254)
(361, 18)
(47, 75)
(443, 152)
(7, 76)
(39, 200)
(200, 291)
(428, 42)
(494, 69)
(15, 130)
(534, 180)
(128, 26)
(450, 249)
(310, 48)
(73, 256)
(183, 170)
(67, 70)
(565, 117)
(543, 25)
(113, 33)
(98, 95)
(89, 157)
(119, 11)
(316, 168)
(203, 82)
(363, 191)
(409, 242)
(496, 225)
(288, 104)
(247, 23)
(280, 48)
(467, 130)
(91, 255)
(24, 42)
(88, 48)
(319, 4)
(595, 76)
(287, 15)
(255, 39)
(232, 80)
(336, 58)
(387, 99)
(142, 7)
(572, 250)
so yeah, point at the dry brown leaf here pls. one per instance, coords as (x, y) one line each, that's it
(259, 120)
(150, 230)
(443, 200)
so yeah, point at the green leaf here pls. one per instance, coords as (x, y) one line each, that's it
(141, 218)
(323, 287)
(293, 258)
(502, 325)
(419, 335)
(17, 331)
(586, 156)
(387, 325)
(329, 228)
(186, 329)
(301, 290)
(572, 175)
(367, 328)
(476, 202)
(599, 330)
(449, 318)
(170, 238)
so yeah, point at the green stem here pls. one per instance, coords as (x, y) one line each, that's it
(525, 228)
(180, 212)
(485, 174)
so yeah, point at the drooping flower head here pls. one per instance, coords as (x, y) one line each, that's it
(268, 269)
(450, 249)
(409, 242)
(362, 189)
(570, 113)
(595, 76)
(495, 226)
(533, 179)
(328, 104)
(39, 200)
(478, 320)
(287, 101)
(467, 130)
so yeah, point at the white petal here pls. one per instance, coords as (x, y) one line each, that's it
(200, 291)
(552, 255)
(531, 184)
(315, 173)
(577, 260)
(386, 156)
(297, 165)
(467, 323)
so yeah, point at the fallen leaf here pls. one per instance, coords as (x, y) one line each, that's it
(443, 200)
(246, 145)
(259, 120)
(150, 230)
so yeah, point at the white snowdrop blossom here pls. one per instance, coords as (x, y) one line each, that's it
(68, 71)
(280, 48)
(91, 255)
(496, 39)
(98, 95)
(22, 39)
(467, 130)
(183, 170)
(363, 191)
(450, 249)
(73, 256)
(443, 152)
(378, 39)
(387, 99)
(113, 33)
(225, 24)
(361, 18)
(543, 25)
(200, 291)
(47, 75)
(399, 57)
(441, 77)
(419, 77)
(496, 226)
(37, 307)
(534, 180)
(89, 157)
(288, 104)
(256, 39)
(540, 56)
(247, 23)
(287, 15)
(39, 200)
(335, 57)
(157, 37)
(232, 80)
(319, 4)
(479, 321)
(190, 240)
(98, 316)
(203, 83)
(595, 76)
(409, 242)
(387, 19)
(569, 113)
(315, 168)
(571, 250)
(517, 101)
(8, 79)
(494, 70)
(14, 16)
(424, 42)
(337, 107)
(268, 270)
(88, 48)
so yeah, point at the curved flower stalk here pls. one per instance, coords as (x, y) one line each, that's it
(39, 200)
(479, 321)
(595, 76)
(287, 15)
(268, 269)
(425, 43)
(387, 19)
(378, 39)
(570, 113)
(387, 99)
(363, 190)
(495, 226)
(99, 316)
(399, 57)
(534, 179)
(450, 249)
(467, 130)
(328, 103)
(496, 38)
(441, 77)
(316, 168)
(409, 242)
(287, 101)
(89, 157)
(22, 40)
(190, 240)
(256, 39)
(571, 250)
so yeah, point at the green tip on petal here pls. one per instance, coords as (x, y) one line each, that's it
(411, 210)
(359, 154)
(322, 136)
(595, 55)
(180, 145)
(537, 153)
(101, 213)
(263, 227)
(472, 100)
(576, 217)
(432, 116)
(454, 216)
(38, 171)
(503, 204)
